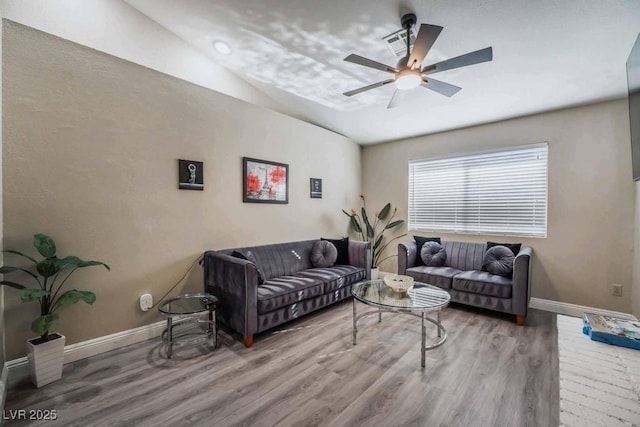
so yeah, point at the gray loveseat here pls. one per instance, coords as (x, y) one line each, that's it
(290, 287)
(462, 277)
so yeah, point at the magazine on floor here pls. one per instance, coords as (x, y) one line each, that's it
(612, 330)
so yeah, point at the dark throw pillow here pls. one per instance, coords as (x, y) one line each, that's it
(433, 254)
(499, 260)
(251, 258)
(238, 254)
(515, 247)
(323, 254)
(342, 245)
(420, 241)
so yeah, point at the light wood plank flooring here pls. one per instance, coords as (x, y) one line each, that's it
(490, 372)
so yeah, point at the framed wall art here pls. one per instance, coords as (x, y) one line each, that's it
(190, 175)
(265, 181)
(315, 188)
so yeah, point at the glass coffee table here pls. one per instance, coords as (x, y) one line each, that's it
(418, 300)
(189, 307)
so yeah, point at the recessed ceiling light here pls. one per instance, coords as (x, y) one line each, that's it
(222, 47)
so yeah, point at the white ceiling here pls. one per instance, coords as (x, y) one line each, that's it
(547, 54)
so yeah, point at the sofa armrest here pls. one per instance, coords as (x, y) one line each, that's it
(234, 282)
(522, 281)
(360, 255)
(407, 253)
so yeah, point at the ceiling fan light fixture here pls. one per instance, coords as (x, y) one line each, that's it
(408, 79)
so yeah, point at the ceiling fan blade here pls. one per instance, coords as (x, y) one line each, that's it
(361, 60)
(443, 88)
(426, 37)
(397, 98)
(365, 88)
(482, 55)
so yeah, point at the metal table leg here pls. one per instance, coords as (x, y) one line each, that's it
(355, 329)
(170, 334)
(424, 338)
(216, 327)
(211, 329)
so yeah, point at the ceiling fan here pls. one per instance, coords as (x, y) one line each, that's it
(409, 72)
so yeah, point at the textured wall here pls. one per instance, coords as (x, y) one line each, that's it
(90, 153)
(591, 195)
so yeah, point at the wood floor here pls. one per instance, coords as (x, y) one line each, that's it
(489, 372)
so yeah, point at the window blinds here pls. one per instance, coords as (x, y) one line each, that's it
(501, 192)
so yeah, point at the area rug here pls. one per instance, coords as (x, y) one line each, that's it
(599, 383)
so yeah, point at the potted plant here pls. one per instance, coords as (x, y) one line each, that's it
(45, 353)
(374, 233)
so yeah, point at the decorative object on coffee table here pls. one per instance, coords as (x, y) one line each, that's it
(315, 186)
(398, 283)
(374, 233)
(45, 353)
(265, 181)
(190, 175)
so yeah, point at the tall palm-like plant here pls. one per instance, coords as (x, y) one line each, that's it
(50, 275)
(374, 232)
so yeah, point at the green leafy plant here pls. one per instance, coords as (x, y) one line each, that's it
(50, 274)
(374, 233)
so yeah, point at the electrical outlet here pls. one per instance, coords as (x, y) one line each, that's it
(616, 290)
(146, 302)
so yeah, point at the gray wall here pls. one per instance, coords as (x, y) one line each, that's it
(591, 196)
(90, 153)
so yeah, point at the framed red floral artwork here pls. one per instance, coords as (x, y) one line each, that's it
(265, 181)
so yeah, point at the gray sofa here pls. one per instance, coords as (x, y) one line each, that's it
(290, 287)
(462, 277)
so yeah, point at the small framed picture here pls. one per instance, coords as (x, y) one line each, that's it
(190, 175)
(315, 188)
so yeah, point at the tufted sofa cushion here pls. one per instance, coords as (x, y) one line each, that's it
(342, 246)
(323, 254)
(420, 241)
(498, 260)
(433, 254)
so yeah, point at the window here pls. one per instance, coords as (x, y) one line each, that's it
(502, 192)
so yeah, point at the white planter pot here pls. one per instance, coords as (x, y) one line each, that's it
(375, 273)
(45, 359)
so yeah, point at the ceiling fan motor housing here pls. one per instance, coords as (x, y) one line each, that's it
(408, 20)
(402, 63)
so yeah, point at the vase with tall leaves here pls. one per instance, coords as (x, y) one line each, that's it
(373, 232)
(49, 274)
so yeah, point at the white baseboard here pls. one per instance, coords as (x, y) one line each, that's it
(574, 310)
(18, 369)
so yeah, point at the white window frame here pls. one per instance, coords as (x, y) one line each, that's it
(479, 163)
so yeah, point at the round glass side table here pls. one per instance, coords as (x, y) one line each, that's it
(189, 308)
